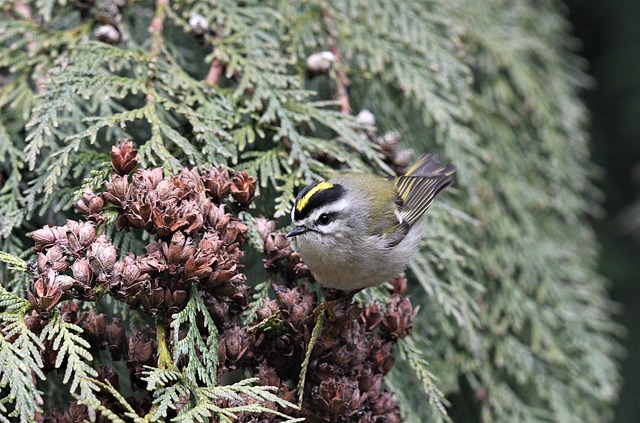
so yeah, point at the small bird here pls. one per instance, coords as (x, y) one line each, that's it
(358, 230)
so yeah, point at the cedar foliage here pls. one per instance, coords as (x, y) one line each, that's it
(514, 322)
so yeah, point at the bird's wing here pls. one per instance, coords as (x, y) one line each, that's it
(418, 188)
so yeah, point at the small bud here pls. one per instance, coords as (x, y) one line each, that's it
(218, 309)
(116, 339)
(390, 139)
(403, 158)
(337, 397)
(34, 322)
(399, 320)
(47, 290)
(54, 259)
(320, 62)
(43, 237)
(370, 382)
(90, 205)
(268, 308)
(398, 285)
(244, 188)
(236, 344)
(110, 375)
(365, 117)
(276, 246)
(199, 266)
(198, 24)
(130, 271)
(81, 271)
(164, 189)
(124, 157)
(63, 282)
(141, 349)
(152, 300)
(108, 34)
(265, 226)
(372, 316)
(217, 183)
(386, 406)
(86, 234)
(175, 301)
(102, 255)
(117, 193)
(219, 219)
(94, 327)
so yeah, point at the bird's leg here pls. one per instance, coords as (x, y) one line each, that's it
(329, 305)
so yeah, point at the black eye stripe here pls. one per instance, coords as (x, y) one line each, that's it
(321, 198)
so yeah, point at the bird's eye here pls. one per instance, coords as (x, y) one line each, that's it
(324, 219)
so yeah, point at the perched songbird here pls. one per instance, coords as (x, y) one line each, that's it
(360, 230)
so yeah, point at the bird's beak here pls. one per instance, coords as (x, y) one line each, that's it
(298, 230)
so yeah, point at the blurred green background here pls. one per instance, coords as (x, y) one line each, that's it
(610, 35)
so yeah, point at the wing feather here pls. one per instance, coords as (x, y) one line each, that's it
(419, 187)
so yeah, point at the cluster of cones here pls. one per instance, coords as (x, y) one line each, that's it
(195, 243)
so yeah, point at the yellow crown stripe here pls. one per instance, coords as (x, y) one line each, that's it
(304, 200)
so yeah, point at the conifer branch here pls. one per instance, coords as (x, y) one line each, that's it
(429, 383)
(341, 81)
(15, 263)
(164, 356)
(24, 12)
(156, 28)
(317, 331)
(20, 361)
(216, 69)
(94, 404)
(199, 349)
(250, 399)
(72, 350)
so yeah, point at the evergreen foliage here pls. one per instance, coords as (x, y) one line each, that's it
(514, 322)
(20, 360)
(205, 368)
